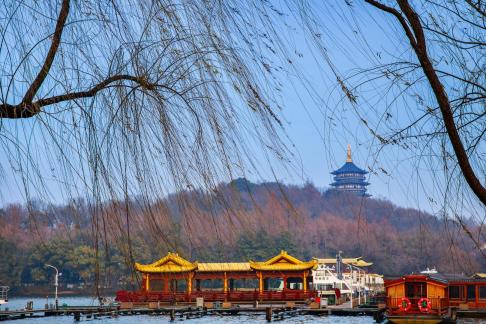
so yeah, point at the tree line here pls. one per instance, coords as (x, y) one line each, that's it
(246, 221)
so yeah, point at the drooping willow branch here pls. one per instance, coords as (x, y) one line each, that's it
(28, 108)
(412, 26)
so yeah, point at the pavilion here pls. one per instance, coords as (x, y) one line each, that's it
(174, 278)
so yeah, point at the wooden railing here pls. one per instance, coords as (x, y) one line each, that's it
(284, 295)
(438, 305)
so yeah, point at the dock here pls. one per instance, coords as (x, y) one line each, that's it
(182, 312)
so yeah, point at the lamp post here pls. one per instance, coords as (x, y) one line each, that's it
(351, 285)
(56, 282)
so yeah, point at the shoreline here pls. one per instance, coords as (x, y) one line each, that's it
(42, 292)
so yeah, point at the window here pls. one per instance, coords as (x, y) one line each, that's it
(455, 292)
(178, 285)
(294, 283)
(156, 285)
(471, 292)
(415, 289)
(273, 284)
(482, 292)
(212, 284)
(243, 284)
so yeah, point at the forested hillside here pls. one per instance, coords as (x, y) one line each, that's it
(238, 221)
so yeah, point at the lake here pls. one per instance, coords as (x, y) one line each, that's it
(19, 303)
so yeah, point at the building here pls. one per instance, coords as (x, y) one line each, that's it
(173, 279)
(350, 178)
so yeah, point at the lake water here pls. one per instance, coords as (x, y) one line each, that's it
(19, 303)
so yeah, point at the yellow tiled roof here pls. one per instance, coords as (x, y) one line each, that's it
(229, 266)
(358, 262)
(283, 262)
(172, 262)
(362, 263)
(480, 275)
(283, 267)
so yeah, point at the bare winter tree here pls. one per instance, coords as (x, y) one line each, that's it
(115, 100)
(448, 40)
(462, 44)
(134, 99)
(423, 90)
(414, 74)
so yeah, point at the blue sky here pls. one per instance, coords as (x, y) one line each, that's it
(320, 122)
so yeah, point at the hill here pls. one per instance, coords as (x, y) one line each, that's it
(236, 221)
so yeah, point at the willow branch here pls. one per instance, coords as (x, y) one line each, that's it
(56, 40)
(418, 43)
(24, 110)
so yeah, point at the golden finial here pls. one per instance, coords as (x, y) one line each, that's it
(349, 154)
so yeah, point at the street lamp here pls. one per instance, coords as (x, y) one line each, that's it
(351, 285)
(56, 282)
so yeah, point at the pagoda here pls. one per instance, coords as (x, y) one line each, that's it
(350, 178)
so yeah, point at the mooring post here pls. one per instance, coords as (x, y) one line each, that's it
(453, 311)
(378, 316)
(268, 314)
(172, 315)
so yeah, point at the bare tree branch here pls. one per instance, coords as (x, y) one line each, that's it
(56, 40)
(418, 43)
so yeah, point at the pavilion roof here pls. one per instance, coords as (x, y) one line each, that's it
(172, 262)
(349, 167)
(357, 262)
(283, 262)
(223, 266)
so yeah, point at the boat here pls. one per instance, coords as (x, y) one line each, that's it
(3, 295)
(433, 297)
(340, 279)
(417, 298)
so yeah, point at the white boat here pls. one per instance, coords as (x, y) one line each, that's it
(3, 295)
(345, 280)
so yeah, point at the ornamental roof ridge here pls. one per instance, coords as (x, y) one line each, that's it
(172, 262)
(283, 261)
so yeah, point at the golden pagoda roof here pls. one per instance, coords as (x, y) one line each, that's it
(357, 262)
(227, 266)
(172, 262)
(362, 263)
(283, 262)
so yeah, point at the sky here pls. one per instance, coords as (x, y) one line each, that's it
(320, 123)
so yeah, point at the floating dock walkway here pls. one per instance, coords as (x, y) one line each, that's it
(183, 312)
(271, 312)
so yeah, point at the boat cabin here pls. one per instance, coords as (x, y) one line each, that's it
(417, 294)
(467, 292)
